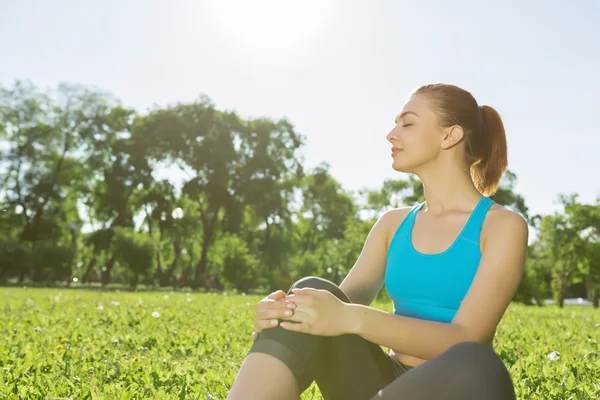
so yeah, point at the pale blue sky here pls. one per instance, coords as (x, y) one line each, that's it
(339, 70)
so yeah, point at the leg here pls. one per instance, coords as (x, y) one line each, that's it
(344, 367)
(263, 377)
(466, 371)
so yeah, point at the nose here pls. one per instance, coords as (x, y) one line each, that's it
(392, 136)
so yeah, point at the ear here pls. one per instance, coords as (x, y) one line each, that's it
(452, 136)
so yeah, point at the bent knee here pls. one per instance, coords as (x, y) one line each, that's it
(479, 367)
(475, 356)
(471, 347)
(316, 282)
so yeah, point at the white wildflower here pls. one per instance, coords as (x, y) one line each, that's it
(555, 355)
(189, 300)
(115, 303)
(100, 307)
(155, 314)
(37, 329)
(166, 297)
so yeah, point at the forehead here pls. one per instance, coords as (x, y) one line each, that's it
(415, 104)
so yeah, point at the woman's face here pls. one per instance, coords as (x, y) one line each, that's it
(417, 137)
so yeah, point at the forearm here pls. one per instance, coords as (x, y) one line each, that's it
(358, 296)
(418, 338)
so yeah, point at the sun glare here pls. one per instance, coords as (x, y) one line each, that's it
(270, 25)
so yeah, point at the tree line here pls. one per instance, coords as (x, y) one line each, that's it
(87, 195)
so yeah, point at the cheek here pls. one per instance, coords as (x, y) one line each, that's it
(418, 149)
(419, 143)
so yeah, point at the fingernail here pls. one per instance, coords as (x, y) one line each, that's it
(274, 322)
(291, 306)
(287, 313)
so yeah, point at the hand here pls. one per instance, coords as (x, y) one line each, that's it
(318, 312)
(269, 310)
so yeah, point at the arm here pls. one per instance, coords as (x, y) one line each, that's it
(499, 274)
(365, 279)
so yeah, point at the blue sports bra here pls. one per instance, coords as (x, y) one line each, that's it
(432, 286)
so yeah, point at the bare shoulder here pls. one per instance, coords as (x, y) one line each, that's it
(392, 219)
(395, 216)
(504, 223)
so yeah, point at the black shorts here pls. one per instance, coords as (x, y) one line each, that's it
(344, 367)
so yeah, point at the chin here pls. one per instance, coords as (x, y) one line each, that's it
(396, 166)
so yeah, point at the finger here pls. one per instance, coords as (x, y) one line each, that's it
(303, 298)
(307, 290)
(276, 304)
(265, 324)
(300, 316)
(274, 313)
(296, 327)
(279, 294)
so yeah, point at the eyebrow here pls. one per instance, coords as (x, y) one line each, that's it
(403, 114)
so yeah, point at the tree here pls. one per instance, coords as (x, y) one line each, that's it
(561, 245)
(325, 208)
(585, 220)
(135, 252)
(506, 196)
(46, 135)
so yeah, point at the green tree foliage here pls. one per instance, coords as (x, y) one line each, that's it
(187, 194)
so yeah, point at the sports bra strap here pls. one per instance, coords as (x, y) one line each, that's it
(472, 230)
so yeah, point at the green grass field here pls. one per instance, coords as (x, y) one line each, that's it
(79, 344)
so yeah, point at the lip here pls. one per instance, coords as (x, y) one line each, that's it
(395, 151)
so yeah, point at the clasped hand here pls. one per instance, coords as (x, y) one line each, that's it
(317, 312)
(312, 311)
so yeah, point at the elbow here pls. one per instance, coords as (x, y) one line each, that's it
(469, 335)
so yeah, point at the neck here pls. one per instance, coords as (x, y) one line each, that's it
(448, 187)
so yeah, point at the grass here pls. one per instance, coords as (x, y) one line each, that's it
(78, 344)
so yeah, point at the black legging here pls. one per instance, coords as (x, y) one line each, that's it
(349, 367)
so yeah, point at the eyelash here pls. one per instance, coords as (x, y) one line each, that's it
(406, 125)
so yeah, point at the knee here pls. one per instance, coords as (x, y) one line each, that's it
(474, 358)
(479, 368)
(316, 282)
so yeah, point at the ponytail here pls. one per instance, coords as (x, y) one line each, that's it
(490, 150)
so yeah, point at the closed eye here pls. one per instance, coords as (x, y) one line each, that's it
(406, 125)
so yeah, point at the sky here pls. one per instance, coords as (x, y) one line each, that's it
(339, 70)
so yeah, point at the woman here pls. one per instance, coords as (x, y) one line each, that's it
(451, 266)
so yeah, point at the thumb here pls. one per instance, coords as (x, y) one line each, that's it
(279, 294)
(305, 290)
